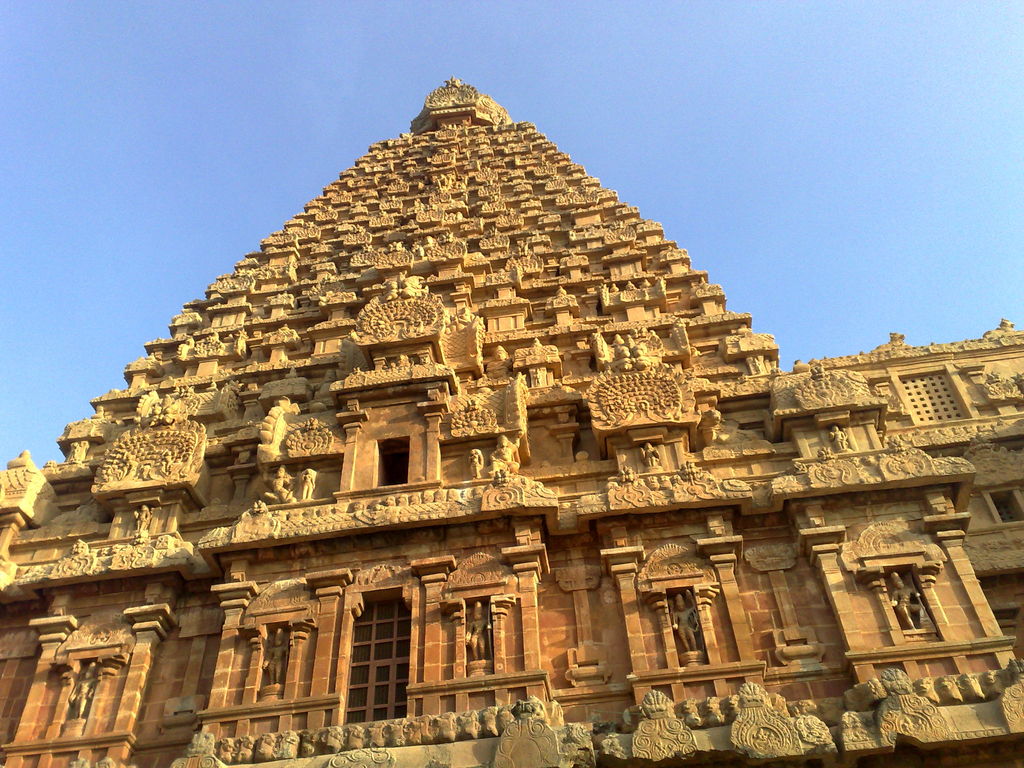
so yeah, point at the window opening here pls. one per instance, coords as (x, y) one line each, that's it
(393, 462)
(931, 398)
(379, 671)
(1007, 507)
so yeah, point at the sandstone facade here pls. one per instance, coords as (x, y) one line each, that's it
(467, 466)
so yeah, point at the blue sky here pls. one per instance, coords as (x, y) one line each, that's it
(843, 169)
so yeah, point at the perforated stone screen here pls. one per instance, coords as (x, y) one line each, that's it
(931, 398)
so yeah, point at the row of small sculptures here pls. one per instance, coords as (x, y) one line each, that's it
(711, 712)
(426, 729)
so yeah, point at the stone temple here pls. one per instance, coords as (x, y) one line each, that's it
(468, 467)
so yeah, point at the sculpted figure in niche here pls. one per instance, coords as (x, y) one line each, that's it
(186, 348)
(275, 662)
(476, 463)
(281, 486)
(82, 695)
(143, 519)
(686, 621)
(906, 602)
(710, 425)
(78, 451)
(477, 633)
(652, 459)
(504, 456)
(241, 345)
(307, 483)
(839, 439)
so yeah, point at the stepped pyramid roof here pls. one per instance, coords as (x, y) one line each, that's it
(497, 229)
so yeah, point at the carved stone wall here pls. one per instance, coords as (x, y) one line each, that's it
(469, 394)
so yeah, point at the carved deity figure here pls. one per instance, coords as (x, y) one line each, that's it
(281, 488)
(241, 345)
(78, 451)
(275, 661)
(620, 353)
(477, 633)
(652, 459)
(476, 463)
(686, 621)
(710, 425)
(503, 457)
(83, 692)
(186, 348)
(906, 602)
(143, 519)
(307, 483)
(405, 287)
(839, 439)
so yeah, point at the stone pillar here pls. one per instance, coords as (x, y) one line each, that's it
(586, 660)
(255, 638)
(352, 609)
(329, 589)
(821, 545)
(298, 637)
(659, 603)
(722, 553)
(67, 685)
(52, 631)
(351, 421)
(151, 623)
(433, 573)
(704, 595)
(234, 596)
(104, 700)
(529, 562)
(432, 411)
(622, 564)
(953, 542)
(501, 606)
(455, 610)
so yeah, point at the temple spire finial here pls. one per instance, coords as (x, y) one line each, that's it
(457, 103)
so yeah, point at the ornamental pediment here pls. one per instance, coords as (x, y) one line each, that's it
(899, 465)
(633, 398)
(168, 452)
(888, 539)
(406, 312)
(996, 465)
(820, 389)
(166, 552)
(692, 485)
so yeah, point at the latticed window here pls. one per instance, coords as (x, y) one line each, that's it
(379, 669)
(931, 398)
(1007, 506)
